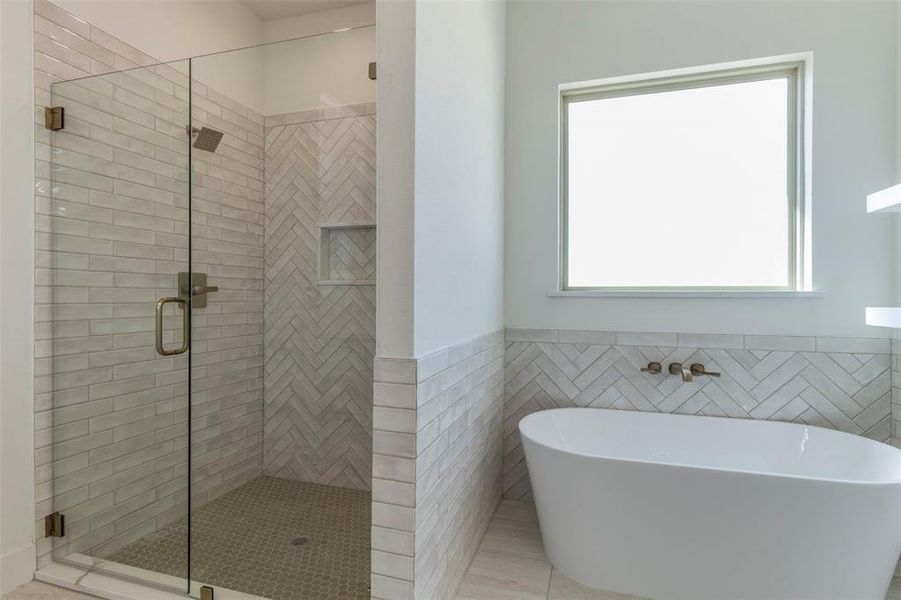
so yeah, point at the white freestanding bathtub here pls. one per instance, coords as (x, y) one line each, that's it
(675, 507)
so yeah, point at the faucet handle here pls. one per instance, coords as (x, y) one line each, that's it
(653, 368)
(697, 369)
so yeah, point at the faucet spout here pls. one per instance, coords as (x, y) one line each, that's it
(683, 370)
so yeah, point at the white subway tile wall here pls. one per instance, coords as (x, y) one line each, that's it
(393, 477)
(459, 444)
(320, 339)
(436, 466)
(840, 383)
(227, 344)
(112, 218)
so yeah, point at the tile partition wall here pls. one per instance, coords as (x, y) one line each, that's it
(436, 466)
(841, 383)
(394, 454)
(459, 441)
(110, 413)
(320, 339)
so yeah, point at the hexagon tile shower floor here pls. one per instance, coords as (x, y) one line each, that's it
(245, 541)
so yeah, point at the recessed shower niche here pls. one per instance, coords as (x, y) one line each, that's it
(199, 466)
(347, 254)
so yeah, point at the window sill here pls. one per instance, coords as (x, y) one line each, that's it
(728, 294)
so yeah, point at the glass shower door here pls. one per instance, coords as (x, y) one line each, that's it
(227, 374)
(283, 229)
(113, 326)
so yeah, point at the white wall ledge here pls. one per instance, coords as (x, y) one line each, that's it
(883, 316)
(726, 294)
(887, 200)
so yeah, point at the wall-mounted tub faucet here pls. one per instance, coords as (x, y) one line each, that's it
(689, 373)
(680, 369)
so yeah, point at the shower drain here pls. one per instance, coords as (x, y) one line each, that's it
(301, 540)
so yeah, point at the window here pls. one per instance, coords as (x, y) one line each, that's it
(684, 183)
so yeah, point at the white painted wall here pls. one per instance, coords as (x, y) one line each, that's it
(855, 72)
(17, 550)
(237, 74)
(440, 177)
(357, 15)
(324, 70)
(459, 172)
(308, 63)
(320, 70)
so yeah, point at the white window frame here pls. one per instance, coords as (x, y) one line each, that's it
(797, 68)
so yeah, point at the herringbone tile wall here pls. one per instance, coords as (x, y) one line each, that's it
(840, 383)
(319, 340)
(352, 255)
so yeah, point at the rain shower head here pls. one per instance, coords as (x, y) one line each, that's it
(206, 138)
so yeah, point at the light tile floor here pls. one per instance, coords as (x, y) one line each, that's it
(42, 591)
(510, 564)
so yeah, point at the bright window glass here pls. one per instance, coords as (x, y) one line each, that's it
(681, 187)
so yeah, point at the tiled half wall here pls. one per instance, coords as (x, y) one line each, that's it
(436, 466)
(840, 383)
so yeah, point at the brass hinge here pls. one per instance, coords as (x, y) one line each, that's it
(54, 117)
(55, 525)
(372, 71)
(206, 593)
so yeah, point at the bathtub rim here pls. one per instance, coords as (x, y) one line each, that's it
(881, 482)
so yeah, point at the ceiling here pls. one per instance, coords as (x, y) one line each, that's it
(279, 9)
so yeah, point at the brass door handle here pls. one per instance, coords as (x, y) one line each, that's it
(698, 369)
(159, 326)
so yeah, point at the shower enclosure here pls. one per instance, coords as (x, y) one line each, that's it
(206, 321)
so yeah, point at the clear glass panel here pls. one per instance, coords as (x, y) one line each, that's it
(270, 215)
(670, 175)
(113, 236)
(283, 219)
